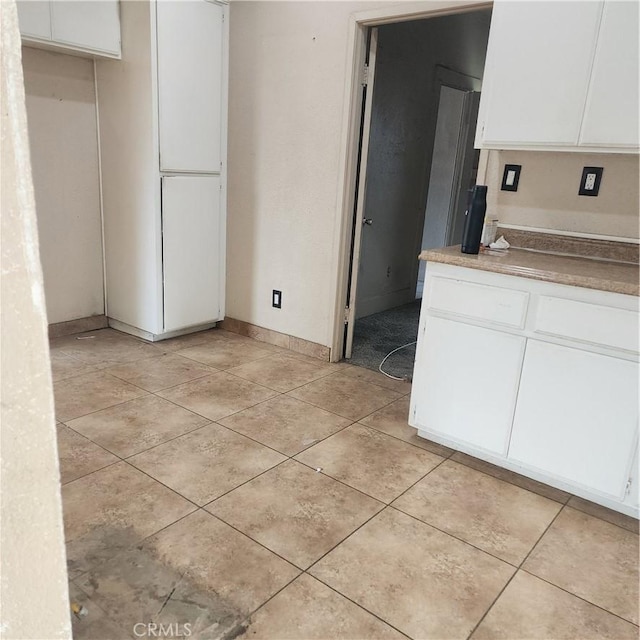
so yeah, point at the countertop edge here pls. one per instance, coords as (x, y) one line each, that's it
(586, 282)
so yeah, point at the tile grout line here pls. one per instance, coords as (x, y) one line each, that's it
(455, 537)
(338, 414)
(260, 544)
(210, 421)
(417, 446)
(106, 466)
(325, 375)
(486, 473)
(571, 506)
(299, 399)
(292, 457)
(360, 606)
(575, 595)
(141, 541)
(515, 573)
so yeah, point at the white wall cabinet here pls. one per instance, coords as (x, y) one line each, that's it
(163, 149)
(79, 26)
(537, 377)
(611, 114)
(34, 19)
(190, 65)
(482, 410)
(561, 75)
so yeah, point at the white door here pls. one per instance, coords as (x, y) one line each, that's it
(34, 17)
(453, 394)
(192, 251)
(577, 416)
(190, 63)
(443, 168)
(537, 72)
(87, 24)
(360, 219)
(451, 172)
(611, 114)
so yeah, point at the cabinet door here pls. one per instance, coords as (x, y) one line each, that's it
(192, 252)
(87, 24)
(466, 382)
(577, 416)
(611, 115)
(537, 72)
(190, 59)
(34, 18)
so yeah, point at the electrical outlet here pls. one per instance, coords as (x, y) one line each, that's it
(590, 181)
(276, 299)
(511, 177)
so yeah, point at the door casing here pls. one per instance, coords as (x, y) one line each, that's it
(352, 112)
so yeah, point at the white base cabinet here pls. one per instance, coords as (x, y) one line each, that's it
(576, 416)
(537, 377)
(482, 411)
(191, 248)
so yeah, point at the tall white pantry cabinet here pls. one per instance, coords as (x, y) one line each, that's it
(162, 120)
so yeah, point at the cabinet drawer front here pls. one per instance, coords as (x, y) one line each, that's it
(585, 322)
(478, 301)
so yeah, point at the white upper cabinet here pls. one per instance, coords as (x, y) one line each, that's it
(80, 26)
(538, 69)
(561, 75)
(87, 24)
(611, 115)
(35, 19)
(190, 65)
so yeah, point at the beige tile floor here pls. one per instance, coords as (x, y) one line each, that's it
(228, 488)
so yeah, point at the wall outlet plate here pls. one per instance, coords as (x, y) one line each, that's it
(590, 181)
(511, 177)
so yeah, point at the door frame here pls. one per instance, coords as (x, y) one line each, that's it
(359, 23)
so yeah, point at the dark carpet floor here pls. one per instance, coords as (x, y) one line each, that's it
(376, 335)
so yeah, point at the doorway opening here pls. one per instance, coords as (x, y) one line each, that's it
(415, 165)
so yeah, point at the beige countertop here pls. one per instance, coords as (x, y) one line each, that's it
(605, 275)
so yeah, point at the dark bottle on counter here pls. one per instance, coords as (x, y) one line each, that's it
(474, 219)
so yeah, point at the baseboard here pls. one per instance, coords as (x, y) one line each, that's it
(305, 347)
(156, 337)
(92, 323)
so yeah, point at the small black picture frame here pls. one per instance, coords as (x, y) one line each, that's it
(511, 177)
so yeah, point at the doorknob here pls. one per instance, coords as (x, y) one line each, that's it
(368, 221)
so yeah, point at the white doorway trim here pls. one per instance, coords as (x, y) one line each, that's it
(359, 22)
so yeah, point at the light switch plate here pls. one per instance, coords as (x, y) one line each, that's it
(511, 177)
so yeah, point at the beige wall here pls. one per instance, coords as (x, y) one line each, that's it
(34, 578)
(286, 95)
(547, 195)
(61, 111)
(288, 64)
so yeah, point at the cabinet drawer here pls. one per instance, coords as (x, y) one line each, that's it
(585, 322)
(478, 301)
